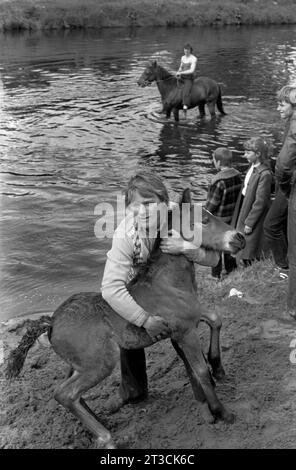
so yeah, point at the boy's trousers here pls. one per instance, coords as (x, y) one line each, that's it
(291, 301)
(275, 229)
(134, 383)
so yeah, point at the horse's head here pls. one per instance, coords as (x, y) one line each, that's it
(202, 228)
(149, 75)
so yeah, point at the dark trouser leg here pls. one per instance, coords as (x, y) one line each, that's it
(134, 383)
(230, 263)
(291, 301)
(275, 226)
(187, 90)
(216, 270)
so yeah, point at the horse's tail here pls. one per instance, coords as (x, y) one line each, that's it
(219, 100)
(18, 356)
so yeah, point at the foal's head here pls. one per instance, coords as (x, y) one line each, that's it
(200, 227)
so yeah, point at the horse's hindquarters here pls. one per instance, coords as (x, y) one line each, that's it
(86, 332)
(79, 334)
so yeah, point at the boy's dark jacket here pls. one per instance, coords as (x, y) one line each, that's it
(285, 170)
(223, 193)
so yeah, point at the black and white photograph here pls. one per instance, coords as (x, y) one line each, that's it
(148, 227)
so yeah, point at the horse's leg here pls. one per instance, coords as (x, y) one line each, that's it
(70, 372)
(197, 389)
(68, 394)
(214, 355)
(168, 112)
(176, 114)
(189, 343)
(201, 108)
(211, 108)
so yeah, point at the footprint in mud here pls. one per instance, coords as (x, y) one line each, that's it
(289, 385)
(244, 410)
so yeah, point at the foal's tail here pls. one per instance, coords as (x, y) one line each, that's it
(18, 356)
(219, 101)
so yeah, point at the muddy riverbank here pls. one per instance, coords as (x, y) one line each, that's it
(260, 385)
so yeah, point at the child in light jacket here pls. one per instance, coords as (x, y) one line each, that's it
(254, 199)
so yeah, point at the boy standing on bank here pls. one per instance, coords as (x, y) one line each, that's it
(221, 199)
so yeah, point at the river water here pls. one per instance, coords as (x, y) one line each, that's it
(74, 126)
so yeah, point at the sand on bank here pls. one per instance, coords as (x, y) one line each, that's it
(260, 385)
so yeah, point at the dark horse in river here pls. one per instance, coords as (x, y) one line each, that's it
(204, 91)
(86, 332)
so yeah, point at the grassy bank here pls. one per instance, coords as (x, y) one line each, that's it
(64, 14)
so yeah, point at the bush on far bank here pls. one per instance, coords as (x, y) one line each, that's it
(67, 14)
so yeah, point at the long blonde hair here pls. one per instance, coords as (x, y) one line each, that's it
(287, 94)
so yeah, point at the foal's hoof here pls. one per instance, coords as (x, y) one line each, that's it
(114, 405)
(219, 373)
(206, 413)
(101, 444)
(227, 416)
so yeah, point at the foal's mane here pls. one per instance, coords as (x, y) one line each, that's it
(145, 267)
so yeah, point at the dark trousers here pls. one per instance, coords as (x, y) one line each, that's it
(134, 383)
(188, 81)
(229, 263)
(291, 301)
(275, 229)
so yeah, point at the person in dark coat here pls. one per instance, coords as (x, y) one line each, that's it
(285, 173)
(254, 199)
(221, 199)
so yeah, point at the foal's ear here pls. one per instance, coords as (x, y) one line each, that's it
(154, 63)
(186, 196)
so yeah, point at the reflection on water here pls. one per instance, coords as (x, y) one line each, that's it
(74, 126)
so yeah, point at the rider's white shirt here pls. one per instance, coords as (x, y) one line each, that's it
(188, 63)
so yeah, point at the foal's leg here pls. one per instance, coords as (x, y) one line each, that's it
(214, 355)
(68, 394)
(197, 389)
(168, 112)
(70, 372)
(192, 350)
